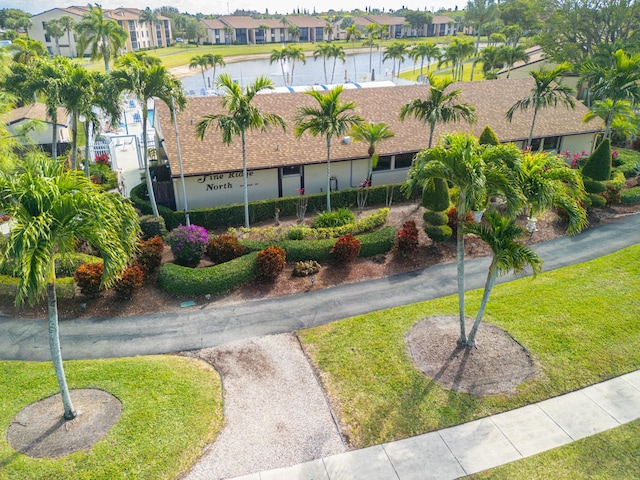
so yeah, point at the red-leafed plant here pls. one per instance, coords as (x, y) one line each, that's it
(149, 255)
(452, 213)
(103, 159)
(88, 277)
(130, 280)
(346, 248)
(271, 261)
(223, 248)
(408, 237)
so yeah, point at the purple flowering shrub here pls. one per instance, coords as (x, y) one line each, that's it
(188, 244)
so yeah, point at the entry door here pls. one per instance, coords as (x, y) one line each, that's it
(291, 180)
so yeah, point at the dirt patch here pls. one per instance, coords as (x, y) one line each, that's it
(40, 430)
(498, 365)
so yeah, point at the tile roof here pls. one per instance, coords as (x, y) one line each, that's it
(361, 21)
(213, 24)
(272, 23)
(440, 19)
(303, 21)
(35, 111)
(536, 55)
(383, 19)
(239, 21)
(277, 148)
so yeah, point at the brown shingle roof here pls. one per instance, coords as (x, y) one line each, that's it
(277, 148)
(383, 19)
(303, 21)
(239, 21)
(35, 111)
(213, 24)
(441, 19)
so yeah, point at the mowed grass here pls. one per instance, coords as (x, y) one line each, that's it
(171, 408)
(611, 454)
(580, 323)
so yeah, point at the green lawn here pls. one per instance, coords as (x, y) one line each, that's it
(172, 407)
(445, 72)
(579, 322)
(611, 454)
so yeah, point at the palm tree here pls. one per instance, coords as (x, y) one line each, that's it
(294, 32)
(280, 55)
(264, 27)
(242, 115)
(331, 118)
(228, 33)
(26, 50)
(424, 50)
(395, 51)
(337, 52)
(512, 55)
(102, 35)
(52, 209)
(372, 134)
(353, 34)
(150, 17)
(370, 42)
(545, 93)
(477, 13)
(323, 51)
(68, 23)
(147, 80)
(439, 107)
(217, 60)
(623, 119)
(202, 62)
(295, 53)
(491, 58)
(502, 235)
(458, 159)
(371, 31)
(55, 30)
(618, 81)
(456, 53)
(328, 30)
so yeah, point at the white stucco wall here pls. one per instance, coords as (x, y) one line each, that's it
(577, 143)
(42, 137)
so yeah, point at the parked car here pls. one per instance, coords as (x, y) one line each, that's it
(179, 40)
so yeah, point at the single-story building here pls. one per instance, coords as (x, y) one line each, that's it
(279, 164)
(18, 120)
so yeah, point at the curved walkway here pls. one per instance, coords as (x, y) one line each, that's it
(85, 338)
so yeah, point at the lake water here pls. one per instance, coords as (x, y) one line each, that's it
(303, 74)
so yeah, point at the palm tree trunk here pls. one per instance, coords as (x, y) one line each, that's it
(86, 148)
(204, 80)
(246, 182)
(432, 127)
(488, 286)
(54, 139)
(324, 66)
(421, 65)
(333, 72)
(533, 124)
(54, 346)
(328, 173)
(74, 140)
(284, 78)
(355, 72)
(105, 56)
(607, 127)
(152, 196)
(460, 267)
(473, 65)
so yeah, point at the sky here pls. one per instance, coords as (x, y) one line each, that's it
(223, 7)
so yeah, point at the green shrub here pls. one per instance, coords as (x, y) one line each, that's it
(9, 286)
(435, 218)
(435, 196)
(103, 176)
(598, 165)
(213, 280)
(149, 256)
(631, 196)
(298, 232)
(346, 248)
(130, 280)
(271, 261)
(306, 268)
(613, 193)
(188, 244)
(335, 218)
(152, 227)
(594, 186)
(488, 137)
(438, 233)
(66, 265)
(375, 243)
(597, 200)
(65, 288)
(627, 162)
(223, 248)
(88, 276)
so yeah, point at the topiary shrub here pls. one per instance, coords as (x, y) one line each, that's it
(597, 200)
(435, 218)
(188, 244)
(336, 218)
(488, 137)
(149, 255)
(306, 268)
(271, 261)
(346, 248)
(593, 186)
(223, 248)
(152, 227)
(598, 165)
(88, 276)
(130, 280)
(438, 233)
(408, 237)
(435, 196)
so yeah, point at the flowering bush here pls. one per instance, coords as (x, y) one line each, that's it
(149, 254)
(88, 277)
(575, 160)
(223, 248)
(408, 237)
(103, 159)
(271, 261)
(188, 244)
(346, 248)
(130, 280)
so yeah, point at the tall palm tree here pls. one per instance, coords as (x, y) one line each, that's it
(202, 62)
(502, 235)
(439, 107)
(103, 36)
(395, 51)
(372, 134)
(147, 80)
(624, 121)
(51, 209)
(424, 50)
(68, 23)
(353, 34)
(491, 58)
(512, 55)
(371, 32)
(54, 29)
(456, 53)
(370, 42)
(323, 51)
(228, 33)
(331, 118)
(280, 55)
(217, 60)
(618, 81)
(478, 13)
(150, 17)
(328, 30)
(458, 159)
(242, 115)
(26, 50)
(294, 32)
(294, 54)
(545, 93)
(337, 53)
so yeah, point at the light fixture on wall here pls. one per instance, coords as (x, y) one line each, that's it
(277, 147)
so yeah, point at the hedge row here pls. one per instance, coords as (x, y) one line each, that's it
(229, 275)
(65, 287)
(233, 215)
(67, 265)
(631, 196)
(199, 281)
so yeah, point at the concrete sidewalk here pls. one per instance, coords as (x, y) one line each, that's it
(482, 444)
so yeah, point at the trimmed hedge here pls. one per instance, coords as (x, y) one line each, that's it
(377, 242)
(598, 165)
(67, 265)
(65, 287)
(631, 196)
(233, 215)
(217, 279)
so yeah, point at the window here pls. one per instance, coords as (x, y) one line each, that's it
(384, 163)
(404, 160)
(548, 143)
(291, 170)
